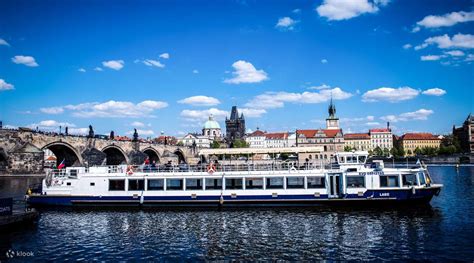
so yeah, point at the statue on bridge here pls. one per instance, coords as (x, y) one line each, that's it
(91, 132)
(135, 135)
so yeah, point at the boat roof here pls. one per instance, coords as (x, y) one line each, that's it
(218, 151)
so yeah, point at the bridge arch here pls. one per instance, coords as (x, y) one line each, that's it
(152, 154)
(64, 151)
(181, 156)
(115, 155)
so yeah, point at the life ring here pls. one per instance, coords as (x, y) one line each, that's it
(129, 170)
(292, 169)
(211, 168)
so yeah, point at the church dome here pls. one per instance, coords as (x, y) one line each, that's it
(211, 123)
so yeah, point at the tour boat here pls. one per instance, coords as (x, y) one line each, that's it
(348, 180)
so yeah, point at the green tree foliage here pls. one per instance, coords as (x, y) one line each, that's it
(239, 144)
(215, 145)
(386, 152)
(418, 151)
(378, 151)
(347, 148)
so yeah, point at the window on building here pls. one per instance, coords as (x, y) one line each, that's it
(193, 184)
(233, 183)
(389, 181)
(409, 179)
(136, 184)
(156, 184)
(174, 184)
(213, 184)
(355, 181)
(253, 183)
(294, 182)
(316, 182)
(116, 185)
(275, 183)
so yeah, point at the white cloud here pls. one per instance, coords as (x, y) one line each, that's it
(296, 11)
(165, 55)
(142, 132)
(195, 71)
(50, 125)
(421, 114)
(286, 23)
(5, 86)
(245, 72)
(52, 110)
(320, 87)
(3, 42)
(470, 57)
(434, 92)
(372, 123)
(137, 124)
(114, 64)
(202, 115)
(98, 69)
(324, 61)
(390, 94)
(271, 100)
(444, 42)
(25, 60)
(111, 109)
(80, 131)
(445, 20)
(455, 53)
(344, 9)
(407, 46)
(252, 113)
(431, 57)
(153, 63)
(81, 70)
(200, 101)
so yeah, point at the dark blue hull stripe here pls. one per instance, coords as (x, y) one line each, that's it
(369, 195)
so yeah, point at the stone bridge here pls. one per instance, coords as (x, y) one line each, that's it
(22, 151)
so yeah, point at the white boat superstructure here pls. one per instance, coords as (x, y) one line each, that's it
(348, 180)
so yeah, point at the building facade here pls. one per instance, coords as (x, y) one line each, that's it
(465, 135)
(191, 140)
(256, 139)
(212, 129)
(276, 140)
(235, 125)
(357, 141)
(411, 141)
(382, 138)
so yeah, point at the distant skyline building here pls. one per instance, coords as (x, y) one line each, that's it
(332, 122)
(465, 134)
(235, 125)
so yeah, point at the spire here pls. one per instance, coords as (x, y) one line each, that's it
(211, 117)
(332, 109)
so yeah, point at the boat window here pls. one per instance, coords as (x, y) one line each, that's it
(156, 184)
(421, 178)
(361, 159)
(355, 181)
(275, 183)
(116, 185)
(316, 182)
(174, 184)
(351, 159)
(213, 183)
(136, 184)
(342, 159)
(253, 183)
(409, 179)
(389, 181)
(193, 184)
(233, 183)
(294, 182)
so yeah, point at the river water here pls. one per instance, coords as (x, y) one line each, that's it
(442, 232)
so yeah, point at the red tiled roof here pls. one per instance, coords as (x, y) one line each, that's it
(256, 133)
(419, 136)
(276, 135)
(356, 136)
(380, 130)
(312, 133)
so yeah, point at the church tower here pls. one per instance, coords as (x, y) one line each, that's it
(332, 122)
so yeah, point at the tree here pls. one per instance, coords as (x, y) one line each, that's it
(239, 144)
(394, 152)
(215, 145)
(401, 152)
(347, 148)
(378, 151)
(418, 151)
(386, 152)
(409, 152)
(180, 144)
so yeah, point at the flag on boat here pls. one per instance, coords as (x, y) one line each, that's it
(61, 165)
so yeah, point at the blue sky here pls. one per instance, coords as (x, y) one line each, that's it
(166, 65)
